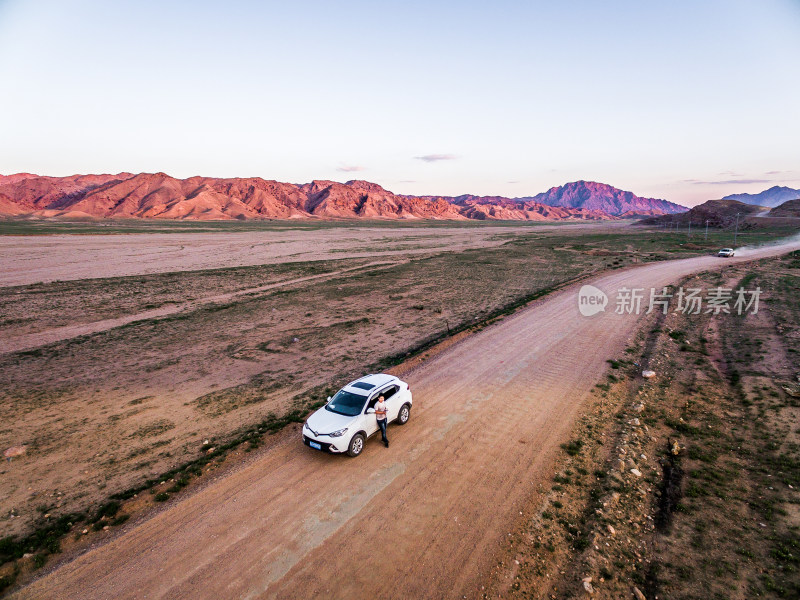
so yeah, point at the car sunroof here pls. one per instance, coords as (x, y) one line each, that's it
(363, 386)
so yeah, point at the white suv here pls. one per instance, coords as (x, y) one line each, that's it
(348, 419)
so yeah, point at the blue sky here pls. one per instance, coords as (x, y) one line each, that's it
(684, 100)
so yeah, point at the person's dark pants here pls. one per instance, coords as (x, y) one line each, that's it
(382, 425)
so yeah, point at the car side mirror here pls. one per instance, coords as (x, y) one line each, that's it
(329, 398)
(370, 411)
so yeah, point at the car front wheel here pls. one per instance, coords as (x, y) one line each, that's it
(356, 445)
(404, 414)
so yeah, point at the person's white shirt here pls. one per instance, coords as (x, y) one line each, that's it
(380, 407)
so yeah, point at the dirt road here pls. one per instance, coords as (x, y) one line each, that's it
(432, 510)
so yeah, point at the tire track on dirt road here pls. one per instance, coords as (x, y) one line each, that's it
(489, 415)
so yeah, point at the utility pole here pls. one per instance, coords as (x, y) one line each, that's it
(706, 229)
(690, 226)
(736, 232)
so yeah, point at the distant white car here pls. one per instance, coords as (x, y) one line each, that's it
(726, 252)
(348, 419)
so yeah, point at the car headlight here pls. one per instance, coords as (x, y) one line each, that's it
(339, 433)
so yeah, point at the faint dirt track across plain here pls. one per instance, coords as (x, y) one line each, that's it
(488, 417)
(49, 336)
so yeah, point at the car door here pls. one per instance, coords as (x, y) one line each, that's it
(393, 401)
(370, 420)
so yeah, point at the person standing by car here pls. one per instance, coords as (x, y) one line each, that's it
(380, 415)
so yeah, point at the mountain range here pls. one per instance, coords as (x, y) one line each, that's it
(598, 196)
(157, 195)
(717, 213)
(772, 197)
(727, 213)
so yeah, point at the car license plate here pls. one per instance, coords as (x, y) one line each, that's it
(315, 445)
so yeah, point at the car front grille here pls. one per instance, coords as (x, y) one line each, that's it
(307, 441)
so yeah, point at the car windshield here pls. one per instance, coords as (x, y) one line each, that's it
(345, 403)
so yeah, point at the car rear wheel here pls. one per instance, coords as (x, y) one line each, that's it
(356, 445)
(404, 414)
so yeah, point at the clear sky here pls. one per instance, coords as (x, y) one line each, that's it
(683, 100)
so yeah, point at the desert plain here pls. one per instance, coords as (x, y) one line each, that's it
(122, 353)
(141, 367)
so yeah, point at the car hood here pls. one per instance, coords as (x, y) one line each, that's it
(325, 421)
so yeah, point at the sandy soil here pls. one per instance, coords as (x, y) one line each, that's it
(489, 414)
(32, 259)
